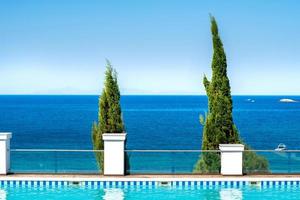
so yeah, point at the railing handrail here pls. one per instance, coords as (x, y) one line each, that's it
(149, 150)
(55, 150)
(127, 150)
(272, 150)
(169, 150)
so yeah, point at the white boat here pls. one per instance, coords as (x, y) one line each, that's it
(287, 100)
(281, 147)
(250, 100)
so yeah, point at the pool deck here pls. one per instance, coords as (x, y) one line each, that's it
(78, 177)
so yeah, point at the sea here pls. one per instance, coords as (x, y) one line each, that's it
(152, 122)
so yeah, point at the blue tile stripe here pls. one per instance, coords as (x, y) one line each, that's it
(38, 183)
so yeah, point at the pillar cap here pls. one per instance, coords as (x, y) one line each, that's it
(231, 147)
(114, 136)
(5, 136)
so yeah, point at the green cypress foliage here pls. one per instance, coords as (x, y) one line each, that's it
(219, 127)
(114, 120)
(109, 114)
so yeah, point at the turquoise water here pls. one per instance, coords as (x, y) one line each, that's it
(140, 193)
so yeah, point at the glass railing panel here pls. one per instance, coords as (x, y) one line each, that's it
(54, 161)
(77, 162)
(32, 162)
(165, 162)
(279, 162)
(151, 161)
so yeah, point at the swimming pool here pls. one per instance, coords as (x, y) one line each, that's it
(145, 190)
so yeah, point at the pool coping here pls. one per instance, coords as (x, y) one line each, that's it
(159, 178)
(98, 181)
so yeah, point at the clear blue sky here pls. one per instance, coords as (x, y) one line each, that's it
(157, 46)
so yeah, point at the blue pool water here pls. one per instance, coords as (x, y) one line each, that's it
(146, 193)
(152, 122)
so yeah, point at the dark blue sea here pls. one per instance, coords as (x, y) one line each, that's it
(152, 122)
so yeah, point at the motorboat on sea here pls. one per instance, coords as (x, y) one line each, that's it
(281, 147)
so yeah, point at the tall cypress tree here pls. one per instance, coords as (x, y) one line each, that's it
(109, 114)
(114, 122)
(219, 127)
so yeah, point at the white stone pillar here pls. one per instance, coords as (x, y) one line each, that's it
(4, 152)
(114, 155)
(231, 159)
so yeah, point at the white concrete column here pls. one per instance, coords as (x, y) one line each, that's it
(231, 159)
(4, 152)
(114, 155)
